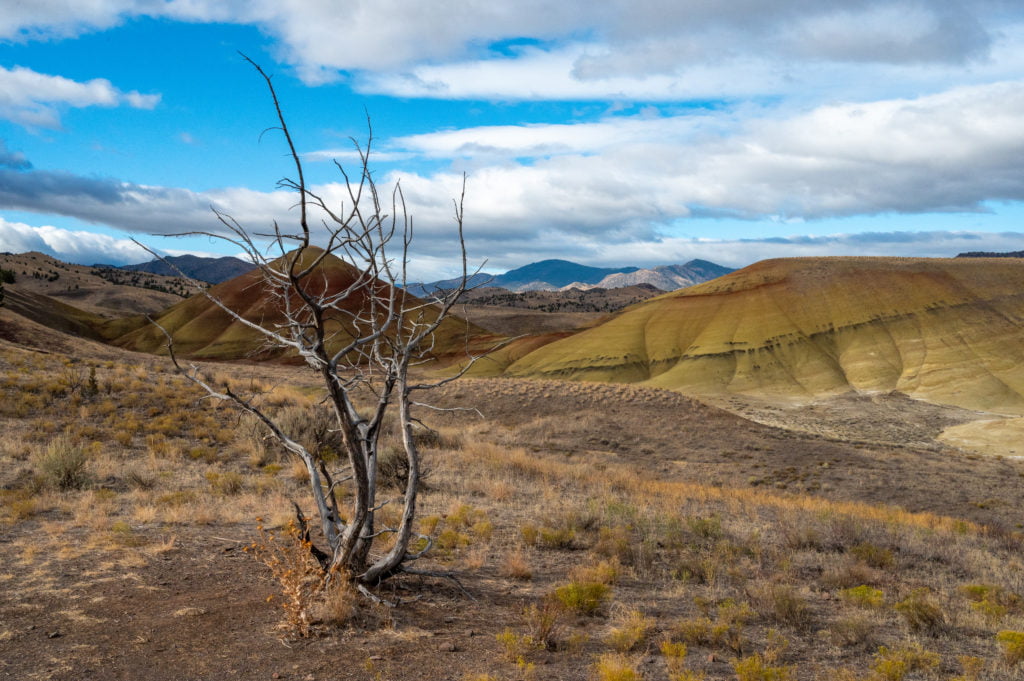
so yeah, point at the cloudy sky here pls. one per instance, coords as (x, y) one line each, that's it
(608, 132)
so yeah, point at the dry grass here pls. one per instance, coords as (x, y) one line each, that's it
(608, 559)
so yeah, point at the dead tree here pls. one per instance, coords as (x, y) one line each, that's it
(363, 341)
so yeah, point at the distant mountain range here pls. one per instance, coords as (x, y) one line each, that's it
(988, 254)
(210, 270)
(665, 277)
(553, 275)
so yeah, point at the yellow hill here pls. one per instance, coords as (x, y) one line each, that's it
(949, 331)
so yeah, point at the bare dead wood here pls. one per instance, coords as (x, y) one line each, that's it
(360, 339)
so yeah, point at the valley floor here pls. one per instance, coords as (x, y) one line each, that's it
(848, 545)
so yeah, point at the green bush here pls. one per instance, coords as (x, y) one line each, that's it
(756, 668)
(587, 598)
(1013, 646)
(863, 596)
(895, 664)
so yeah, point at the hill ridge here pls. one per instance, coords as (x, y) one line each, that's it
(948, 332)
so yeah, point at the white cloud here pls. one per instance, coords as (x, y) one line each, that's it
(541, 140)
(632, 179)
(80, 247)
(35, 99)
(624, 39)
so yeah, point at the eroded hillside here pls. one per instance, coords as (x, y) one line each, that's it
(949, 331)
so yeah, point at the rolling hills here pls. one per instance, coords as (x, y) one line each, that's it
(950, 331)
(202, 329)
(105, 291)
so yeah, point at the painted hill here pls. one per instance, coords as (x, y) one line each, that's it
(210, 270)
(949, 331)
(201, 329)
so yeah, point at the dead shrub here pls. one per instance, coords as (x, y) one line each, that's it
(545, 622)
(515, 566)
(875, 556)
(780, 603)
(631, 629)
(298, 574)
(856, 631)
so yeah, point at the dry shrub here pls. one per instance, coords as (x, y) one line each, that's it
(515, 566)
(780, 603)
(725, 631)
(675, 662)
(850, 574)
(516, 646)
(556, 538)
(992, 600)
(616, 667)
(631, 630)
(856, 631)
(139, 480)
(62, 464)
(875, 556)
(428, 438)
(19, 504)
(339, 602)
(300, 577)
(313, 426)
(545, 622)
(392, 466)
(226, 484)
(921, 612)
(603, 572)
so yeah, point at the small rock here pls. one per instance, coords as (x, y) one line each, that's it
(449, 647)
(275, 675)
(712, 658)
(53, 634)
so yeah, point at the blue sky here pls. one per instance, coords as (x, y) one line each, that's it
(610, 133)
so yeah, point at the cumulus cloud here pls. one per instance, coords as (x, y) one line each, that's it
(35, 99)
(623, 38)
(624, 179)
(631, 179)
(80, 247)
